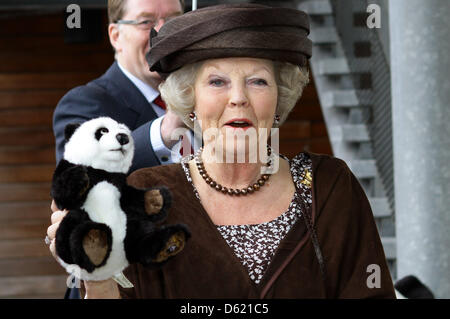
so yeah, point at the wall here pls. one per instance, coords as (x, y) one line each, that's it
(305, 128)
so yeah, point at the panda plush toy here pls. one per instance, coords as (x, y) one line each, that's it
(110, 224)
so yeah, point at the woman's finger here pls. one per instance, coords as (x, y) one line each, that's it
(53, 206)
(58, 215)
(53, 248)
(51, 230)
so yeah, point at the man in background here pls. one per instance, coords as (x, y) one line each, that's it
(128, 91)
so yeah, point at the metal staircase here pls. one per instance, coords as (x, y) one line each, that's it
(346, 93)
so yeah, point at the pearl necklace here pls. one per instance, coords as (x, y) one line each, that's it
(227, 190)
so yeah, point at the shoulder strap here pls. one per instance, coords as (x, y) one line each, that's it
(313, 235)
(307, 216)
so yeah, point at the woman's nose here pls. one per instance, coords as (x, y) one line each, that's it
(238, 96)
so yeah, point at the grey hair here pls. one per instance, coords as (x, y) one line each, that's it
(178, 89)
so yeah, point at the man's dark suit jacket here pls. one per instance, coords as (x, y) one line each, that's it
(115, 96)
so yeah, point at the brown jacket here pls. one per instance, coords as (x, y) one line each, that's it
(208, 268)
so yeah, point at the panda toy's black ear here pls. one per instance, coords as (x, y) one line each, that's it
(70, 129)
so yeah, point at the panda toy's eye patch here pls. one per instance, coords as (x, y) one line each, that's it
(100, 132)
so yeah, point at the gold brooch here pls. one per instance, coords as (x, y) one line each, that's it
(307, 178)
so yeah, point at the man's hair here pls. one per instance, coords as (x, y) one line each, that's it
(116, 9)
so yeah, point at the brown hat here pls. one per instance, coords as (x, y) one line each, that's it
(237, 30)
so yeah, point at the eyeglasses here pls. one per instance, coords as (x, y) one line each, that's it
(144, 24)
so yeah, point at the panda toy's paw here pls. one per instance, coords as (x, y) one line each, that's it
(163, 244)
(95, 246)
(156, 203)
(173, 246)
(77, 175)
(91, 245)
(71, 187)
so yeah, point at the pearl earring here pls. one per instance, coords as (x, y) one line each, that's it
(192, 116)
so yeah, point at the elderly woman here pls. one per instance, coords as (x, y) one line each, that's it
(302, 228)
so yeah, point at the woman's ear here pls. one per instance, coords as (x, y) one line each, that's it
(114, 33)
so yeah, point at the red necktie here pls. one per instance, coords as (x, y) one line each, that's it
(158, 101)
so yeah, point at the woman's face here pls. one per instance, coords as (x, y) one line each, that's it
(236, 95)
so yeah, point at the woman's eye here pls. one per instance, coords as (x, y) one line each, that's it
(259, 82)
(216, 82)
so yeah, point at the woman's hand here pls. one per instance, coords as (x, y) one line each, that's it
(105, 289)
(56, 219)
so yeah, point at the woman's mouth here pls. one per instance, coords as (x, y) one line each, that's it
(239, 123)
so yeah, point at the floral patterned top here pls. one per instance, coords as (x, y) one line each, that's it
(255, 244)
